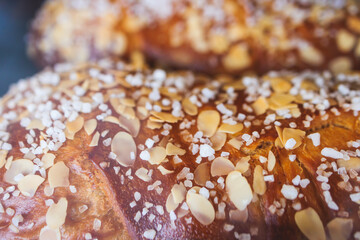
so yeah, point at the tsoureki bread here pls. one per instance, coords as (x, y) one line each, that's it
(101, 151)
(212, 36)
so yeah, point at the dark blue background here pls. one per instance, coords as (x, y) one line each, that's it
(15, 18)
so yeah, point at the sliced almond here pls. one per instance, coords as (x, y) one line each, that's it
(352, 163)
(56, 214)
(171, 149)
(208, 122)
(309, 222)
(232, 129)
(235, 143)
(280, 85)
(311, 55)
(260, 106)
(345, 40)
(296, 134)
(271, 161)
(164, 171)
(35, 124)
(170, 203)
(59, 175)
(47, 233)
(259, 184)
(47, 160)
(131, 125)
(340, 228)
(221, 166)
(95, 140)
(76, 125)
(29, 184)
(243, 164)
(157, 155)
(166, 117)
(202, 174)
(123, 145)
(178, 192)
(238, 58)
(112, 119)
(20, 166)
(218, 140)
(90, 126)
(239, 190)
(201, 208)
(3, 155)
(189, 107)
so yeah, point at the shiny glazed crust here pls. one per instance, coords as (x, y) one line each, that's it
(175, 155)
(228, 36)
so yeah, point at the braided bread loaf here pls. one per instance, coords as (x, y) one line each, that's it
(213, 36)
(100, 151)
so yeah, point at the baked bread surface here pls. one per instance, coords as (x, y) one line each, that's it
(110, 152)
(226, 36)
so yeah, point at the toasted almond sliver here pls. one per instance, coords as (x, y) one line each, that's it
(202, 174)
(260, 106)
(29, 184)
(75, 126)
(235, 143)
(123, 145)
(271, 161)
(132, 125)
(201, 208)
(112, 119)
(170, 203)
(167, 117)
(178, 192)
(3, 155)
(157, 155)
(164, 171)
(221, 166)
(243, 165)
(208, 122)
(280, 85)
(232, 129)
(48, 160)
(340, 228)
(59, 175)
(352, 163)
(259, 184)
(20, 166)
(296, 134)
(189, 107)
(218, 140)
(239, 190)
(90, 126)
(95, 140)
(47, 233)
(56, 214)
(35, 124)
(309, 222)
(171, 149)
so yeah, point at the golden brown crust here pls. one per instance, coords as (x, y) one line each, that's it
(214, 36)
(166, 154)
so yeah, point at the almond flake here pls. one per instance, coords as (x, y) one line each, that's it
(171, 205)
(340, 228)
(47, 233)
(239, 216)
(29, 184)
(166, 117)
(202, 174)
(90, 126)
(59, 175)
(259, 184)
(123, 145)
(164, 171)
(218, 140)
(35, 124)
(171, 149)
(260, 106)
(157, 155)
(208, 122)
(309, 222)
(56, 214)
(352, 163)
(189, 107)
(95, 140)
(243, 165)
(201, 208)
(232, 129)
(47, 160)
(295, 134)
(178, 192)
(280, 85)
(239, 190)
(271, 161)
(3, 155)
(131, 125)
(20, 166)
(235, 143)
(221, 166)
(75, 126)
